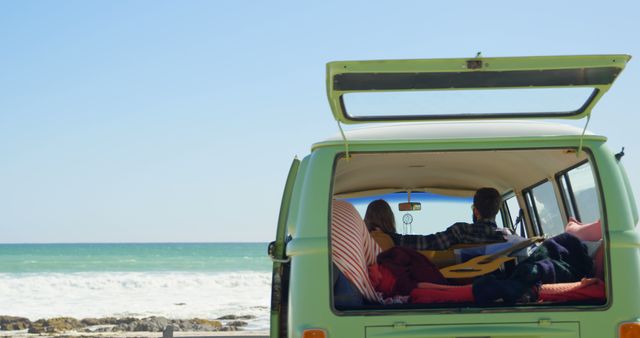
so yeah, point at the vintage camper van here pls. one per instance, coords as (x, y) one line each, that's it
(440, 130)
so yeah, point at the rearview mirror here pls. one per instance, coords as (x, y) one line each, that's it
(410, 206)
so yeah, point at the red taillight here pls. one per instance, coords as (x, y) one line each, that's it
(629, 330)
(314, 333)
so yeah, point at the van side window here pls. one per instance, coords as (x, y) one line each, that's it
(580, 193)
(531, 209)
(499, 220)
(567, 196)
(543, 206)
(513, 208)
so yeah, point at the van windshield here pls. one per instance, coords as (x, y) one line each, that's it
(437, 211)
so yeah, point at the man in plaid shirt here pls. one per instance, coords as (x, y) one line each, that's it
(486, 203)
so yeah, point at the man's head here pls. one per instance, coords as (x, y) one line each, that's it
(486, 203)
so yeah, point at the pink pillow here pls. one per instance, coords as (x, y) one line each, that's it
(585, 232)
(589, 232)
(598, 263)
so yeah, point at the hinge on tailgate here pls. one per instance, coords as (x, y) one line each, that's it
(584, 130)
(346, 143)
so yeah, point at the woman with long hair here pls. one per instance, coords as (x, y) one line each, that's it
(381, 223)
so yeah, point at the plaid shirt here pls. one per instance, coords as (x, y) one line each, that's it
(460, 233)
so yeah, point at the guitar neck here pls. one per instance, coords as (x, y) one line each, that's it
(515, 247)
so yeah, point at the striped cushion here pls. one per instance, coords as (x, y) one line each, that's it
(353, 249)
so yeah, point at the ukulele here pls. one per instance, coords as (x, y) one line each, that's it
(482, 265)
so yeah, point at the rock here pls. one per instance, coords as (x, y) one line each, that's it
(118, 328)
(127, 324)
(237, 323)
(39, 326)
(126, 320)
(227, 317)
(168, 332)
(59, 324)
(152, 324)
(100, 321)
(11, 323)
(182, 324)
(90, 321)
(234, 317)
(206, 324)
(64, 324)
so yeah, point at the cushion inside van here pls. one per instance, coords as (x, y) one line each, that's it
(591, 232)
(584, 290)
(586, 232)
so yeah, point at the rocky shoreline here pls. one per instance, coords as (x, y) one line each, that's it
(127, 324)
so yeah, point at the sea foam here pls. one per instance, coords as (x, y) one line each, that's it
(179, 295)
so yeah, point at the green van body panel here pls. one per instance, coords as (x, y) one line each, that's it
(310, 296)
(278, 254)
(630, 196)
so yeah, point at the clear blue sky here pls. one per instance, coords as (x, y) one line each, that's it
(177, 121)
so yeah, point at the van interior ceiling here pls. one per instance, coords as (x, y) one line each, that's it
(454, 173)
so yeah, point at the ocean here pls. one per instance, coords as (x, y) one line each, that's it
(174, 280)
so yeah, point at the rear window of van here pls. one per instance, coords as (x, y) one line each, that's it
(548, 200)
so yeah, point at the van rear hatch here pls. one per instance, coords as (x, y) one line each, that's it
(542, 328)
(475, 88)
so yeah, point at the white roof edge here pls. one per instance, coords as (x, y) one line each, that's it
(451, 130)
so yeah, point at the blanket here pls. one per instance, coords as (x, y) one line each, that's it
(561, 259)
(399, 270)
(587, 288)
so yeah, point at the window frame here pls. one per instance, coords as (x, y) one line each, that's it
(507, 209)
(564, 174)
(532, 209)
(505, 212)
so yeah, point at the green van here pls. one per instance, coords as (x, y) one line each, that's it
(444, 128)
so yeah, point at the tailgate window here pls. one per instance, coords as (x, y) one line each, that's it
(425, 193)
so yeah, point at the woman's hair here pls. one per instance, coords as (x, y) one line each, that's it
(379, 215)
